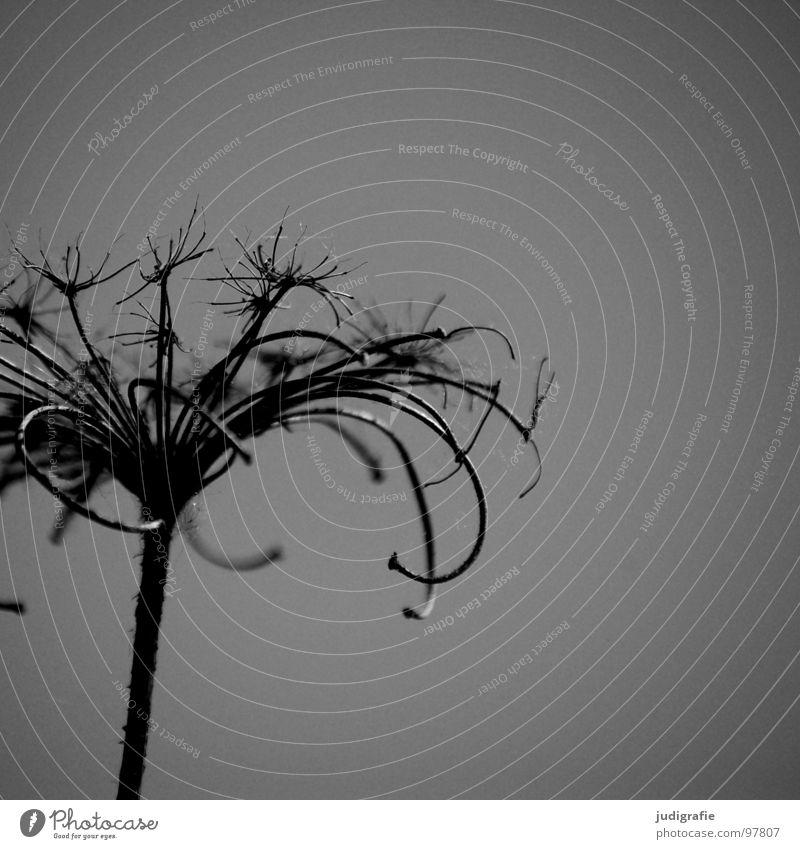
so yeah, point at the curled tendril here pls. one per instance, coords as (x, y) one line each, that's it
(368, 388)
(365, 454)
(479, 391)
(445, 433)
(218, 557)
(381, 364)
(73, 505)
(324, 414)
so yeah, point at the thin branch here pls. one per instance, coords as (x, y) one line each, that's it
(47, 484)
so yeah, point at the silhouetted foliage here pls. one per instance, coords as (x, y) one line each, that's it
(72, 421)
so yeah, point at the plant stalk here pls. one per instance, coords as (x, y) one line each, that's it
(149, 605)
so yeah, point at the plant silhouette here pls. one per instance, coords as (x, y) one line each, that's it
(73, 422)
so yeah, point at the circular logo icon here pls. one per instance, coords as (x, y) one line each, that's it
(31, 822)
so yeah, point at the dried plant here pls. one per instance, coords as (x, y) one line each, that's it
(72, 421)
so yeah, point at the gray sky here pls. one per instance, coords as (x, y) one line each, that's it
(604, 183)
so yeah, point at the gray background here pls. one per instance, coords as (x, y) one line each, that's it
(678, 676)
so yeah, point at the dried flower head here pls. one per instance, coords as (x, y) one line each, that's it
(72, 420)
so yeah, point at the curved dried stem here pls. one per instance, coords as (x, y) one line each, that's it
(187, 402)
(218, 557)
(322, 414)
(73, 505)
(363, 451)
(326, 338)
(446, 434)
(167, 446)
(479, 391)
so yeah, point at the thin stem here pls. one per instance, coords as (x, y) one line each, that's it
(210, 419)
(160, 399)
(113, 394)
(149, 606)
(48, 484)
